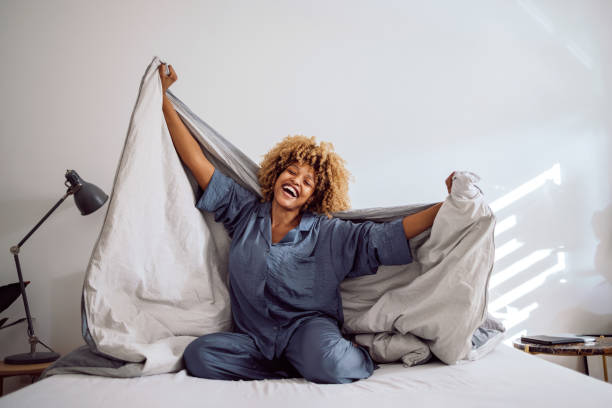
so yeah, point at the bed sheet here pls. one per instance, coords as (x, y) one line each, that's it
(504, 378)
(145, 300)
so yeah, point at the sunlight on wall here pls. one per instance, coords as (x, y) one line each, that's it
(554, 174)
(507, 249)
(518, 267)
(533, 11)
(518, 316)
(527, 286)
(501, 304)
(505, 225)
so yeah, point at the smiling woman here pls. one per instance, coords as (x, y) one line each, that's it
(300, 175)
(287, 258)
(329, 191)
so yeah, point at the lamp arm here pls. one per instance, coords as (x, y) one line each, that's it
(15, 249)
(15, 252)
(24, 296)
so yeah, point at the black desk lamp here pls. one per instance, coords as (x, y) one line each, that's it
(88, 199)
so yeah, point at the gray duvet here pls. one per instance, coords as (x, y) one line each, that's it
(157, 277)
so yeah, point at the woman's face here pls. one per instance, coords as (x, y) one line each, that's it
(294, 186)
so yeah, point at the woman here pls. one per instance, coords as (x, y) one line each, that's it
(286, 261)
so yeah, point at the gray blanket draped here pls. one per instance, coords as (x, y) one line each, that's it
(157, 277)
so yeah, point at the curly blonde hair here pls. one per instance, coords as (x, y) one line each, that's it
(331, 190)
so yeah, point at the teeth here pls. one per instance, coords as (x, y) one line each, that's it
(291, 190)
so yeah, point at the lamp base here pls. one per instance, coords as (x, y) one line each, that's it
(32, 358)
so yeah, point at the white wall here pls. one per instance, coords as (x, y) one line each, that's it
(408, 91)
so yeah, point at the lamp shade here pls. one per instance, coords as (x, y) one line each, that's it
(88, 197)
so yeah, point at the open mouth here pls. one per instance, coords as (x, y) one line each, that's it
(291, 191)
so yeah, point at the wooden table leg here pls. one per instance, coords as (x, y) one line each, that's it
(605, 368)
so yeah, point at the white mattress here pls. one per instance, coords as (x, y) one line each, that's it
(506, 377)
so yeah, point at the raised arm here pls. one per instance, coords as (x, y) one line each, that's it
(416, 223)
(185, 145)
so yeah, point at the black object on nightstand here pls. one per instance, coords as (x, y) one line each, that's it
(591, 346)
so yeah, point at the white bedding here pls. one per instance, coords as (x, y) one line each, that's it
(157, 277)
(504, 378)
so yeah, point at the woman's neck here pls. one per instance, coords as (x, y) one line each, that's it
(281, 217)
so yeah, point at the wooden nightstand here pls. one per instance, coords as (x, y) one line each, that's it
(602, 346)
(10, 370)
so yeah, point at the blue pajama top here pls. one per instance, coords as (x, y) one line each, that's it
(275, 287)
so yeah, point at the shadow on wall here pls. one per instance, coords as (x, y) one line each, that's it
(598, 309)
(537, 273)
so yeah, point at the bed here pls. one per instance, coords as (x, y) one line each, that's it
(505, 377)
(144, 300)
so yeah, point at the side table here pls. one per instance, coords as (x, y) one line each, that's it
(10, 370)
(602, 346)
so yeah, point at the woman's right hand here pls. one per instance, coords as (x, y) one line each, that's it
(167, 80)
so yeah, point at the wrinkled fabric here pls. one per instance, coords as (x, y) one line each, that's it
(317, 352)
(442, 296)
(275, 287)
(389, 347)
(157, 277)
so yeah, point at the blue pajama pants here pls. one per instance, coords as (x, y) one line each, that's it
(316, 351)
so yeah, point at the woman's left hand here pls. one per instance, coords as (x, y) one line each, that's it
(169, 79)
(449, 182)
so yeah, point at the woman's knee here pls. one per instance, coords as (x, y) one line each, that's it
(343, 363)
(199, 357)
